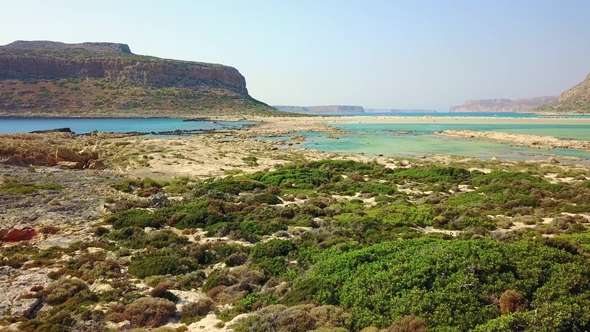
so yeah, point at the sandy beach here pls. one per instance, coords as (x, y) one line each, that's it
(455, 120)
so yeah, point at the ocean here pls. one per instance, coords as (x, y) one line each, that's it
(85, 125)
(393, 140)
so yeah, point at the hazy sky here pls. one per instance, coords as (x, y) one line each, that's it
(377, 54)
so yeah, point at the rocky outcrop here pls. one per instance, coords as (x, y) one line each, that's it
(48, 79)
(82, 61)
(501, 105)
(574, 100)
(329, 109)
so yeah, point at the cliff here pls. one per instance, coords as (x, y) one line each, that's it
(501, 105)
(92, 77)
(329, 109)
(574, 100)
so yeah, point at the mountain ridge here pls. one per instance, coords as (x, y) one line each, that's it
(88, 78)
(573, 100)
(500, 105)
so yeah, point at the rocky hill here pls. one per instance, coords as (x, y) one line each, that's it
(501, 105)
(329, 109)
(574, 100)
(107, 79)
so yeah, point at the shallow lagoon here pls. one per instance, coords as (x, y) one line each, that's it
(415, 140)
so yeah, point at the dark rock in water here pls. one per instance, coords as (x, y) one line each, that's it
(57, 130)
(196, 120)
(159, 199)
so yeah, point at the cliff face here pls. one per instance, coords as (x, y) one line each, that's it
(87, 77)
(501, 105)
(114, 62)
(329, 109)
(574, 100)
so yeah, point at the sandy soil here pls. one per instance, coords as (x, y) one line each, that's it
(454, 120)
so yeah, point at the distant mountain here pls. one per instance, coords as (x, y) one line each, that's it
(397, 111)
(574, 100)
(44, 78)
(502, 105)
(329, 109)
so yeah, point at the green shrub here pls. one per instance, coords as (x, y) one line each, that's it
(12, 186)
(156, 264)
(135, 218)
(263, 199)
(61, 290)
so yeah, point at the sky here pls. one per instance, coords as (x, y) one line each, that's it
(412, 54)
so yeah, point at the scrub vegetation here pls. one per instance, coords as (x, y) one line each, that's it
(333, 245)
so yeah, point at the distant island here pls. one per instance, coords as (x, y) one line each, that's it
(44, 78)
(502, 105)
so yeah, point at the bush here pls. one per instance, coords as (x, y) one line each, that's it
(135, 218)
(157, 264)
(193, 310)
(162, 291)
(149, 312)
(410, 323)
(263, 199)
(512, 301)
(61, 290)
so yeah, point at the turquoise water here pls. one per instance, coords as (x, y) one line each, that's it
(84, 126)
(395, 140)
(577, 132)
(415, 140)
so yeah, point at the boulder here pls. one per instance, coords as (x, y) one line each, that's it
(159, 199)
(71, 164)
(68, 155)
(16, 235)
(96, 164)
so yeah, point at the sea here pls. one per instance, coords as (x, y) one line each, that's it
(374, 139)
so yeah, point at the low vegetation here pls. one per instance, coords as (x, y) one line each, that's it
(334, 246)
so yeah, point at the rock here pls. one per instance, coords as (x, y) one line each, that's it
(16, 235)
(68, 155)
(89, 155)
(71, 164)
(57, 130)
(96, 164)
(17, 300)
(159, 199)
(24, 307)
(552, 160)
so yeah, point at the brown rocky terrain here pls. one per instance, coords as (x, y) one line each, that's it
(94, 79)
(574, 100)
(501, 105)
